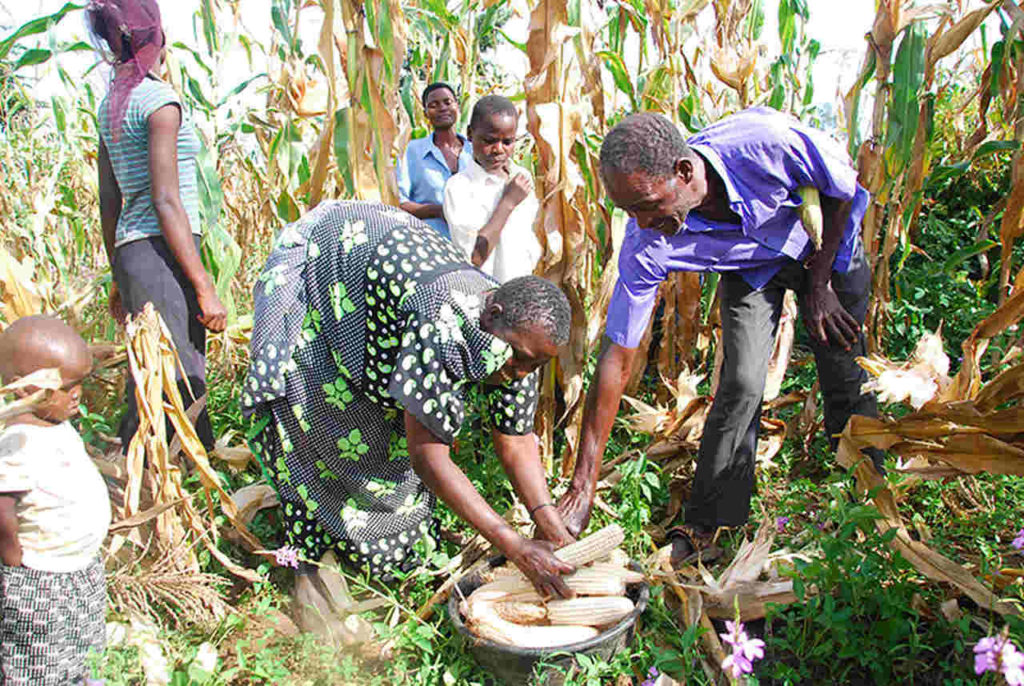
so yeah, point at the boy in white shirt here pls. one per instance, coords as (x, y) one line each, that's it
(54, 514)
(490, 206)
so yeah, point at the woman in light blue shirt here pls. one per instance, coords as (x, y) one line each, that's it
(430, 161)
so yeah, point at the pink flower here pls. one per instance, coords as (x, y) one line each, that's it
(998, 654)
(287, 556)
(652, 677)
(1018, 542)
(744, 650)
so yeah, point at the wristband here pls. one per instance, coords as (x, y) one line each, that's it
(542, 505)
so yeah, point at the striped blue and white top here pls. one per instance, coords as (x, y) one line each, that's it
(130, 158)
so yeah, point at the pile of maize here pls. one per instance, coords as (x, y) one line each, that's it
(508, 610)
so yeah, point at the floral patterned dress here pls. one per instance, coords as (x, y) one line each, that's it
(361, 312)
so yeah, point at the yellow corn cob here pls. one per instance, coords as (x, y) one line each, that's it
(589, 611)
(593, 547)
(810, 214)
(521, 613)
(626, 575)
(487, 624)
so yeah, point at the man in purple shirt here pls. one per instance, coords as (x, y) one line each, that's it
(726, 201)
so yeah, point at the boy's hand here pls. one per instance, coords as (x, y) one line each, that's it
(516, 190)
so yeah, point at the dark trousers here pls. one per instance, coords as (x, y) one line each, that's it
(724, 480)
(146, 271)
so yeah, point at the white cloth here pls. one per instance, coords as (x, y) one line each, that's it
(63, 508)
(470, 198)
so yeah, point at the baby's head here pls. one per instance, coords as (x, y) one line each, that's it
(41, 342)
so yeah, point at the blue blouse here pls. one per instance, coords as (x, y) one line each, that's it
(422, 173)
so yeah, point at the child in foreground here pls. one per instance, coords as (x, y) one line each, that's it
(54, 514)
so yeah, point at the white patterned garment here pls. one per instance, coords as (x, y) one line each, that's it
(363, 312)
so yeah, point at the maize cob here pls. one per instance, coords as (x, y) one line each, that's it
(627, 575)
(583, 581)
(593, 547)
(617, 557)
(505, 570)
(589, 611)
(488, 625)
(499, 588)
(810, 214)
(521, 613)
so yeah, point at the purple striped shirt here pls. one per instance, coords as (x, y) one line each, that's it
(763, 156)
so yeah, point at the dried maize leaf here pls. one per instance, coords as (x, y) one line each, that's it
(251, 499)
(924, 559)
(752, 599)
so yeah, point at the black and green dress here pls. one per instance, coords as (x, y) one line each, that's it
(361, 312)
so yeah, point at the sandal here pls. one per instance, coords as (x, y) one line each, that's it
(690, 545)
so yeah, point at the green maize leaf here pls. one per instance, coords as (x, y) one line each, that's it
(992, 147)
(520, 46)
(620, 75)
(754, 21)
(279, 16)
(787, 26)
(34, 27)
(908, 75)
(241, 87)
(196, 56)
(32, 57)
(996, 65)
(341, 145)
(287, 208)
(210, 33)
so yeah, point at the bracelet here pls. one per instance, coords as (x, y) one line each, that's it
(542, 505)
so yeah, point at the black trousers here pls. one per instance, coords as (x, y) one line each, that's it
(724, 480)
(146, 271)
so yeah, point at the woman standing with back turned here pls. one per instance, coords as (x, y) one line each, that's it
(149, 202)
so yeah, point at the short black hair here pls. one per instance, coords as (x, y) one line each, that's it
(490, 105)
(436, 86)
(533, 302)
(645, 142)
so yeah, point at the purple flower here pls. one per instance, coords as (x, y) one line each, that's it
(780, 523)
(998, 654)
(95, 682)
(1018, 542)
(744, 650)
(287, 556)
(652, 677)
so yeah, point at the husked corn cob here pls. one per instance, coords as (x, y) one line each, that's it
(627, 575)
(520, 613)
(588, 581)
(589, 611)
(584, 581)
(488, 625)
(499, 588)
(810, 214)
(617, 557)
(593, 547)
(506, 570)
